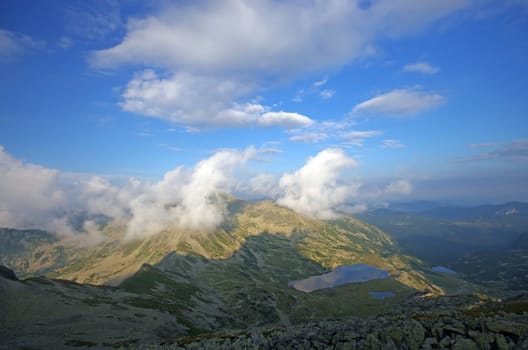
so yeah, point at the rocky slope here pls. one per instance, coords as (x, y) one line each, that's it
(184, 283)
(464, 323)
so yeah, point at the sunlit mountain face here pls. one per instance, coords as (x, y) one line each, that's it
(263, 174)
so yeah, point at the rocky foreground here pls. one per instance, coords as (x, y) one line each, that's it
(495, 325)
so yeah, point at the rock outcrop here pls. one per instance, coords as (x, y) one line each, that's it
(7, 273)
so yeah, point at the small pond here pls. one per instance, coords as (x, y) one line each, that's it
(443, 269)
(341, 275)
(381, 295)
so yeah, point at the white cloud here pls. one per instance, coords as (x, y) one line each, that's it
(319, 83)
(68, 205)
(284, 119)
(71, 205)
(357, 138)
(391, 144)
(189, 199)
(230, 35)
(12, 44)
(201, 101)
(309, 137)
(327, 94)
(421, 67)
(316, 189)
(399, 103)
(220, 52)
(37, 197)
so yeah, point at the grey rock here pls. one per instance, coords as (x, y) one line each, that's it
(414, 334)
(500, 342)
(464, 344)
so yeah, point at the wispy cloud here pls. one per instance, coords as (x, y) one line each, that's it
(391, 144)
(511, 151)
(357, 138)
(321, 131)
(421, 67)
(169, 147)
(327, 94)
(310, 137)
(319, 83)
(483, 145)
(298, 96)
(402, 102)
(13, 44)
(92, 20)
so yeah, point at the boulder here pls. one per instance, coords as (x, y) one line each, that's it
(7, 273)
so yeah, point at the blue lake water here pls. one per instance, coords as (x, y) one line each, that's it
(381, 295)
(341, 275)
(443, 269)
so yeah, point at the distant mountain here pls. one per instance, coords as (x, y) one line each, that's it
(443, 235)
(184, 283)
(415, 206)
(482, 212)
(503, 268)
(329, 244)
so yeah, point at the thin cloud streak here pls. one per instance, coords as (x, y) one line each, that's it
(399, 103)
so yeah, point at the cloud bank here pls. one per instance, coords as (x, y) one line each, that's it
(74, 206)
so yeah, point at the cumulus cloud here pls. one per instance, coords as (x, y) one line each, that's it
(192, 199)
(71, 206)
(284, 119)
(401, 102)
(74, 207)
(421, 67)
(33, 196)
(201, 101)
(221, 52)
(317, 189)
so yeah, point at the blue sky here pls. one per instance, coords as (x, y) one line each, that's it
(421, 99)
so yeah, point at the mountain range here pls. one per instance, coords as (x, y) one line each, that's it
(186, 282)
